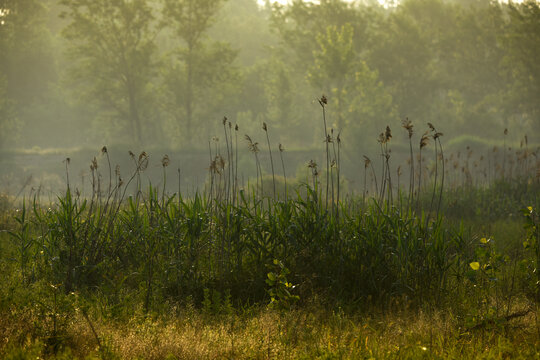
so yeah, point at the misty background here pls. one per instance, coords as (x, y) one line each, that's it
(160, 76)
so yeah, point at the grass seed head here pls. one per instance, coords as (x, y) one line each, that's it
(323, 101)
(94, 164)
(367, 161)
(253, 146)
(143, 161)
(165, 161)
(407, 125)
(424, 140)
(387, 134)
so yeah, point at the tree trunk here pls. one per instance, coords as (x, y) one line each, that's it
(134, 115)
(189, 92)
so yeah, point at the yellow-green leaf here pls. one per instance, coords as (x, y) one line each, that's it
(475, 265)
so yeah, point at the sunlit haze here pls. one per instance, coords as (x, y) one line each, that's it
(240, 179)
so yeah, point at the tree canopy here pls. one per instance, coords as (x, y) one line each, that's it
(165, 72)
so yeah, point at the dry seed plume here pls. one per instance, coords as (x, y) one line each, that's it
(387, 134)
(407, 125)
(424, 140)
(165, 160)
(323, 101)
(253, 146)
(367, 161)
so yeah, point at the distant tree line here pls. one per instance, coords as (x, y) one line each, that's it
(166, 71)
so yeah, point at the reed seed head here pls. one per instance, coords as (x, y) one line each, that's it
(407, 125)
(367, 161)
(104, 150)
(224, 120)
(424, 140)
(264, 126)
(165, 160)
(323, 101)
(143, 161)
(253, 146)
(387, 134)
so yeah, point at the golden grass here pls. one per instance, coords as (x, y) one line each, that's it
(300, 334)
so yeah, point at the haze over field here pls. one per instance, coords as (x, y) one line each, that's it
(242, 179)
(150, 74)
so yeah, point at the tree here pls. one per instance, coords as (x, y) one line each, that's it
(26, 62)
(327, 41)
(112, 49)
(404, 56)
(195, 67)
(8, 118)
(335, 62)
(522, 45)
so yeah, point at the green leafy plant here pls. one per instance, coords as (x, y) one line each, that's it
(280, 290)
(532, 244)
(23, 241)
(216, 303)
